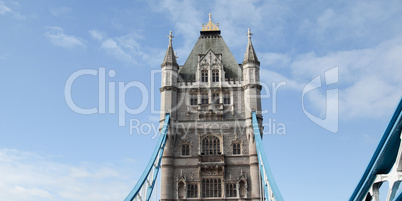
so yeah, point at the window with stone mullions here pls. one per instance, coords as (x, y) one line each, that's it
(185, 150)
(231, 190)
(192, 191)
(215, 76)
(211, 146)
(204, 76)
(204, 99)
(193, 99)
(215, 98)
(211, 188)
(226, 98)
(236, 148)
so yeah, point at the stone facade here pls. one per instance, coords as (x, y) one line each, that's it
(210, 151)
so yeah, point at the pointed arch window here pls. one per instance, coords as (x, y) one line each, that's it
(185, 150)
(236, 148)
(215, 75)
(204, 98)
(211, 146)
(192, 191)
(226, 98)
(204, 75)
(211, 188)
(193, 99)
(231, 190)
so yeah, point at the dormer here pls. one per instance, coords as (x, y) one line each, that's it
(210, 68)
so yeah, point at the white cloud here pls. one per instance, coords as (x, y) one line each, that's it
(58, 38)
(331, 37)
(95, 34)
(116, 50)
(369, 79)
(127, 48)
(30, 176)
(5, 10)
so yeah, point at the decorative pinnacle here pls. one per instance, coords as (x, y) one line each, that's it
(249, 33)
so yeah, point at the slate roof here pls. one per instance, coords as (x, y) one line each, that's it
(250, 56)
(214, 41)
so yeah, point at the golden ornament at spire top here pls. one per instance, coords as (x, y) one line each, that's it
(210, 26)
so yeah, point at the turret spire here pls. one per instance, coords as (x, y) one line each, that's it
(250, 56)
(170, 57)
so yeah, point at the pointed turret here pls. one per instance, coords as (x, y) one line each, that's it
(170, 57)
(250, 56)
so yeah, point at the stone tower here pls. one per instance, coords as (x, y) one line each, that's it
(210, 151)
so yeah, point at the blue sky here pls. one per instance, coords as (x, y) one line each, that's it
(50, 152)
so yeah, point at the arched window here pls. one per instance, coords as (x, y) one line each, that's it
(193, 99)
(231, 190)
(236, 148)
(211, 188)
(192, 190)
(226, 98)
(204, 98)
(185, 150)
(204, 76)
(215, 75)
(211, 146)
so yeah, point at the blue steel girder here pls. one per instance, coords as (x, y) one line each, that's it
(383, 158)
(272, 192)
(146, 183)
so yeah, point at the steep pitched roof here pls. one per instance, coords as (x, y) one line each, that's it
(210, 40)
(250, 56)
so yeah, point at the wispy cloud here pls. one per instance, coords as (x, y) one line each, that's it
(5, 10)
(57, 37)
(369, 80)
(30, 176)
(127, 48)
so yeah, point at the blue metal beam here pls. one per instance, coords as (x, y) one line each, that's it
(384, 156)
(264, 165)
(158, 151)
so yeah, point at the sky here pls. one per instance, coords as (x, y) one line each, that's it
(335, 65)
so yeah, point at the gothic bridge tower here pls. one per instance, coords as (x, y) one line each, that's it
(210, 151)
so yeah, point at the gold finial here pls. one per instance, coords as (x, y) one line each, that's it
(210, 26)
(249, 33)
